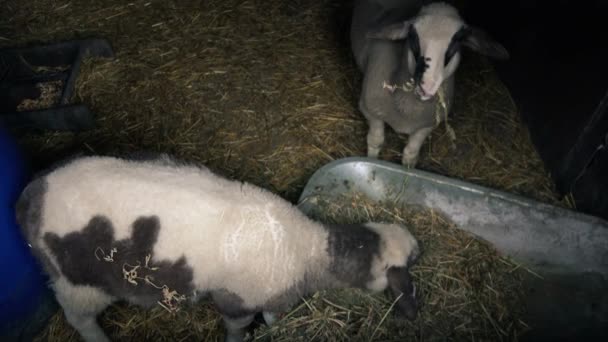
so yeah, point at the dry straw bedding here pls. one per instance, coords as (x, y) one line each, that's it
(261, 91)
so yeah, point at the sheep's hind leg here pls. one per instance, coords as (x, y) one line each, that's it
(235, 327)
(86, 324)
(81, 305)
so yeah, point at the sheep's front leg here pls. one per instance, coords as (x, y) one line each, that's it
(414, 143)
(375, 137)
(235, 327)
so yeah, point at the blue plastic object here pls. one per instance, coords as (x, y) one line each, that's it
(23, 287)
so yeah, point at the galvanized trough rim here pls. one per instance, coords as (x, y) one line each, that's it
(544, 237)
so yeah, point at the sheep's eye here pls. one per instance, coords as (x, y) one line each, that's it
(452, 49)
(455, 43)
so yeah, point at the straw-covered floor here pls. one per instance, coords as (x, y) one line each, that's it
(261, 91)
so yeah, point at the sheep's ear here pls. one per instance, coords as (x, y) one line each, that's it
(400, 283)
(480, 41)
(391, 32)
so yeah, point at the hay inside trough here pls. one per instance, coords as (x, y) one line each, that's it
(466, 291)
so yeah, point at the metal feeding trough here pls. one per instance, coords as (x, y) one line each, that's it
(36, 84)
(569, 249)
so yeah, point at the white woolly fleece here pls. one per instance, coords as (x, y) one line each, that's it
(232, 234)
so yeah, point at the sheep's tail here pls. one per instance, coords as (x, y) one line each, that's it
(28, 210)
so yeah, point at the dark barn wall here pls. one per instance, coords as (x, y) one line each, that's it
(558, 77)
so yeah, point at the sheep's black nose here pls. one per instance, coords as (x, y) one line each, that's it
(407, 306)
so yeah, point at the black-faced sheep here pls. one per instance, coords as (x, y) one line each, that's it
(407, 52)
(158, 231)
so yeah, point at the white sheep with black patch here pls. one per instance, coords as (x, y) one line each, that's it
(407, 52)
(157, 231)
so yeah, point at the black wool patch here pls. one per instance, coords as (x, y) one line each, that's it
(352, 249)
(230, 304)
(413, 41)
(122, 268)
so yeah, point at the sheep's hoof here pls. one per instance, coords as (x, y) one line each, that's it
(269, 317)
(373, 152)
(409, 162)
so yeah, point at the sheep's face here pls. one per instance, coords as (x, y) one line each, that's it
(433, 51)
(399, 252)
(432, 45)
